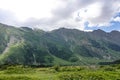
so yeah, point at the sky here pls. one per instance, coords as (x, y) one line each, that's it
(86, 15)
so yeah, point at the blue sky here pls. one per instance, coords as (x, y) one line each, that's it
(113, 26)
(48, 15)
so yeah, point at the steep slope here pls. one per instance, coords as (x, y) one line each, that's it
(90, 47)
(62, 46)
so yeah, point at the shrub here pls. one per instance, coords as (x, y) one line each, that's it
(17, 70)
(72, 68)
(73, 59)
(56, 67)
(70, 76)
(95, 77)
(109, 69)
(15, 78)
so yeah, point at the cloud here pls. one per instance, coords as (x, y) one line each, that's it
(75, 13)
(7, 17)
(72, 14)
(62, 16)
(100, 13)
(117, 19)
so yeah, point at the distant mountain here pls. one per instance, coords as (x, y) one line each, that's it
(62, 46)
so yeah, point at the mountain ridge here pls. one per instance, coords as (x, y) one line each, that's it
(61, 46)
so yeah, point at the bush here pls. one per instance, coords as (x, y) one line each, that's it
(73, 59)
(109, 69)
(80, 76)
(118, 67)
(56, 67)
(95, 77)
(17, 70)
(15, 78)
(70, 76)
(3, 67)
(72, 68)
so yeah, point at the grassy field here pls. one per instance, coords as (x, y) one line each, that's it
(60, 73)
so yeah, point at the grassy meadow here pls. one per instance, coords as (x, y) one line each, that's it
(19, 72)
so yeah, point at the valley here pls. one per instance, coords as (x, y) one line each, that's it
(20, 72)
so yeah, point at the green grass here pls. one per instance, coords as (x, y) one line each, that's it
(61, 73)
(21, 73)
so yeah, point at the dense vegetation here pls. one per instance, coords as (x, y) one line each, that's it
(19, 72)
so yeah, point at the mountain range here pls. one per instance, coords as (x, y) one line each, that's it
(61, 46)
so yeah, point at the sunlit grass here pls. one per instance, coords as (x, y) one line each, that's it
(61, 73)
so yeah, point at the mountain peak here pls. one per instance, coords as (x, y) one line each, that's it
(99, 31)
(26, 28)
(114, 32)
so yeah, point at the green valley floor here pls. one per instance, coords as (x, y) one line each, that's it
(111, 72)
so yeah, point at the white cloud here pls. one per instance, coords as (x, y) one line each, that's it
(91, 11)
(99, 13)
(25, 9)
(53, 14)
(117, 19)
(7, 17)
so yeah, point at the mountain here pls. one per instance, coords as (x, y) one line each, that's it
(62, 46)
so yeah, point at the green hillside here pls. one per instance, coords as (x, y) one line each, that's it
(58, 47)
